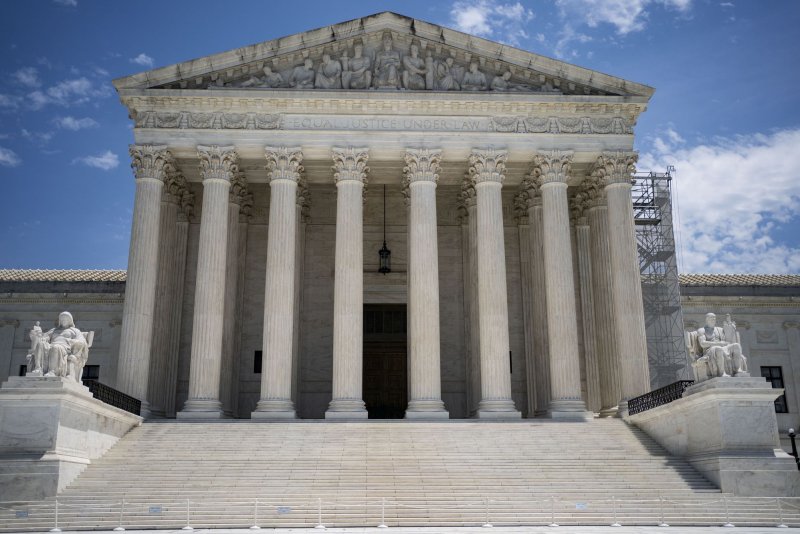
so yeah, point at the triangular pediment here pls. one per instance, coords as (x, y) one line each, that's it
(445, 60)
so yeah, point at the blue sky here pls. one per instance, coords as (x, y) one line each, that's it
(726, 111)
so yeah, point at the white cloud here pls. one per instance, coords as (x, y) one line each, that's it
(9, 101)
(41, 138)
(626, 16)
(28, 76)
(491, 19)
(732, 195)
(9, 158)
(69, 93)
(143, 60)
(71, 123)
(105, 161)
(70, 3)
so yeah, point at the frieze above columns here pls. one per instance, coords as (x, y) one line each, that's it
(549, 124)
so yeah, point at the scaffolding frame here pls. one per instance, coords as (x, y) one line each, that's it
(655, 242)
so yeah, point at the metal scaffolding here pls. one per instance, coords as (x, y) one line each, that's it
(655, 239)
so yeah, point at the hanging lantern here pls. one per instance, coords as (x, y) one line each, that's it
(384, 253)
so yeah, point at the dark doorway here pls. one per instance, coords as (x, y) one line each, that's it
(385, 361)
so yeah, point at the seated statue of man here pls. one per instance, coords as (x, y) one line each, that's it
(721, 348)
(387, 65)
(61, 351)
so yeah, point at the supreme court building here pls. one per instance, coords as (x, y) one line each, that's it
(269, 177)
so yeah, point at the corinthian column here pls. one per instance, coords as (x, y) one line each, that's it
(541, 347)
(580, 203)
(551, 170)
(615, 169)
(603, 297)
(136, 338)
(218, 165)
(425, 387)
(231, 327)
(487, 170)
(165, 288)
(521, 201)
(350, 173)
(470, 246)
(284, 169)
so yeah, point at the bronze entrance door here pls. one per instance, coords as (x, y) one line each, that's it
(385, 361)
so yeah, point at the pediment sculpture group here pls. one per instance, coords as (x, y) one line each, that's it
(389, 69)
(61, 351)
(716, 351)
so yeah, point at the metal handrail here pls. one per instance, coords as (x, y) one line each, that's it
(658, 397)
(113, 397)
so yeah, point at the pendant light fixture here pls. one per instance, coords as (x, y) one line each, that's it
(384, 253)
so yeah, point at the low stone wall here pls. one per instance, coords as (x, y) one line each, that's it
(50, 430)
(726, 428)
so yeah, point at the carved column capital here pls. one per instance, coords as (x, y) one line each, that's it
(150, 161)
(552, 166)
(615, 167)
(303, 198)
(488, 165)
(284, 163)
(593, 186)
(218, 162)
(246, 207)
(174, 184)
(350, 164)
(422, 165)
(238, 189)
(521, 203)
(578, 205)
(187, 204)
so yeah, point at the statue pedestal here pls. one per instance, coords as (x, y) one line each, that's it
(727, 429)
(51, 428)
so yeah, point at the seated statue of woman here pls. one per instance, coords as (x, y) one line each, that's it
(59, 351)
(503, 83)
(445, 77)
(270, 79)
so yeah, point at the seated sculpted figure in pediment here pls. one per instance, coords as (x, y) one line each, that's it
(356, 73)
(302, 76)
(387, 65)
(329, 73)
(716, 351)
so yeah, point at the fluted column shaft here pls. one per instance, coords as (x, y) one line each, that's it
(587, 315)
(284, 167)
(348, 292)
(541, 347)
(136, 336)
(230, 325)
(470, 244)
(608, 365)
(565, 375)
(528, 297)
(613, 170)
(217, 167)
(157, 391)
(487, 167)
(425, 387)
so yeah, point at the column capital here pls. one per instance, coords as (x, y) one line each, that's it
(488, 165)
(350, 163)
(578, 205)
(239, 189)
(593, 186)
(466, 198)
(284, 163)
(522, 202)
(246, 207)
(187, 204)
(422, 165)
(303, 199)
(552, 166)
(218, 162)
(615, 167)
(150, 161)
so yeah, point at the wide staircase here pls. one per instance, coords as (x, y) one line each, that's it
(240, 473)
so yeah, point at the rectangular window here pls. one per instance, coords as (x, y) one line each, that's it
(23, 370)
(91, 372)
(257, 362)
(774, 376)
